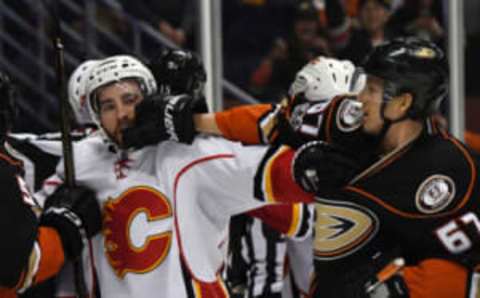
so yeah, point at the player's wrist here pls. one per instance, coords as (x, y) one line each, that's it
(69, 227)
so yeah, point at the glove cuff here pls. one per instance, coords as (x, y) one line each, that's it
(69, 227)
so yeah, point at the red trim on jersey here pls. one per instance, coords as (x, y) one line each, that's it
(213, 286)
(52, 182)
(10, 160)
(215, 289)
(94, 269)
(278, 184)
(283, 218)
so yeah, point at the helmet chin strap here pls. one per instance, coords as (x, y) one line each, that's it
(387, 123)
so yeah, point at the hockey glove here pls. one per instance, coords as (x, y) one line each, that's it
(75, 214)
(161, 118)
(321, 168)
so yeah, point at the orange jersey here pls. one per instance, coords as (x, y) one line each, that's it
(46, 260)
(32, 253)
(436, 278)
(473, 140)
(241, 123)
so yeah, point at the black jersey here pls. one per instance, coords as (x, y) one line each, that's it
(419, 202)
(37, 157)
(18, 221)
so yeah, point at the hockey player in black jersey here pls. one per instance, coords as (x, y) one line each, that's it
(36, 243)
(408, 225)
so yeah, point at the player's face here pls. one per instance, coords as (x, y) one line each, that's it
(374, 16)
(117, 103)
(371, 97)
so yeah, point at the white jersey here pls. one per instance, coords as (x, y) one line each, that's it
(166, 213)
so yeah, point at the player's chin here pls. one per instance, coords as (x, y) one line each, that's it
(368, 129)
(117, 137)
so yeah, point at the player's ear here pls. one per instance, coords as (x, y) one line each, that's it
(405, 102)
(399, 106)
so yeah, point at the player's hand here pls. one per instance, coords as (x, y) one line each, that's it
(161, 118)
(321, 168)
(75, 214)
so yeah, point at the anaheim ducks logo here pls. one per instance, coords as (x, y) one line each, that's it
(135, 239)
(435, 194)
(341, 228)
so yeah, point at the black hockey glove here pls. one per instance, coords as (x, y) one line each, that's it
(75, 214)
(321, 168)
(160, 118)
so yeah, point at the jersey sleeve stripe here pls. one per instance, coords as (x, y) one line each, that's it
(295, 222)
(473, 178)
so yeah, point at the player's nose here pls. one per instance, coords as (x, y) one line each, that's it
(123, 111)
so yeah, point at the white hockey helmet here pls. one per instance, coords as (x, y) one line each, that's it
(114, 69)
(324, 78)
(77, 92)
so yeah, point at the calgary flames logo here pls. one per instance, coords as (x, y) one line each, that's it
(134, 242)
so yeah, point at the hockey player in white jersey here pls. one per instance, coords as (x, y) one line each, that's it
(166, 207)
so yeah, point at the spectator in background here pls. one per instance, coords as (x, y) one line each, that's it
(421, 18)
(249, 29)
(355, 42)
(287, 57)
(172, 18)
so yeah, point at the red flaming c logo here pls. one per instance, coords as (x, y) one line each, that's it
(121, 252)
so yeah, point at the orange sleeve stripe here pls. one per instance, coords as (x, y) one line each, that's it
(10, 160)
(436, 278)
(462, 203)
(329, 120)
(53, 257)
(240, 123)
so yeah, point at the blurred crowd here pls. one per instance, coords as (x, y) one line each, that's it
(265, 42)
